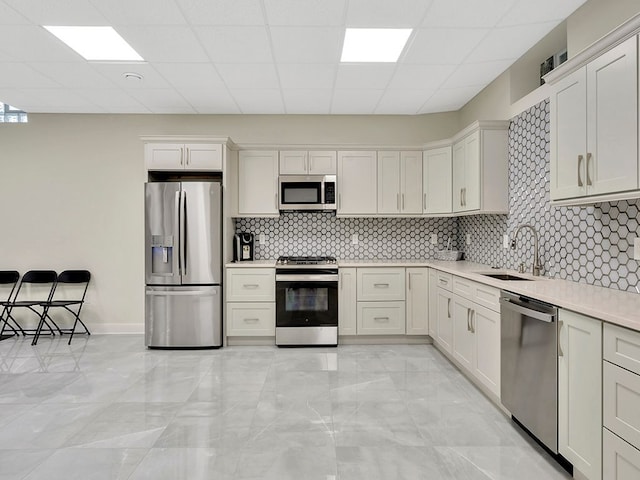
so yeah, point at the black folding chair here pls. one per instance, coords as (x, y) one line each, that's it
(36, 287)
(70, 283)
(8, 282)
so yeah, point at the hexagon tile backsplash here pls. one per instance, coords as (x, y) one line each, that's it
(592, 245)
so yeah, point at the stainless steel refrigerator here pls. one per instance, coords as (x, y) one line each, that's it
(183, 263)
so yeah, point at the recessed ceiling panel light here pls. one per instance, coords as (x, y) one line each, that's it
(96, 43)
(374, 44)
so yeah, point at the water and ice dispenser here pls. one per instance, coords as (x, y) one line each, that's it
(162, 255)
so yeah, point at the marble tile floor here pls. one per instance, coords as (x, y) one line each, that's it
(106, 408)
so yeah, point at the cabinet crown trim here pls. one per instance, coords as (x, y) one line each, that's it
(188, 139)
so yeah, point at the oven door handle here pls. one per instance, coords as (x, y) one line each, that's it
(307, 278)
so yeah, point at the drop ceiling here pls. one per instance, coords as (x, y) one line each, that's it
(265, 56)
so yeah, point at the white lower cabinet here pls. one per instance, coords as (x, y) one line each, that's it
(486, 328)
(433, 303)
(444, 319)
(580, 392)
(381, 318)
(250, 308)
(620, 461)
(347, 302)
(463, 338)
(417, 281)
(251, 319)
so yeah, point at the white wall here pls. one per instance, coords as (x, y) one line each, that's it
(72, 195)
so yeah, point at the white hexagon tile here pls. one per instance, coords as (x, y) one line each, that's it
(585, 244)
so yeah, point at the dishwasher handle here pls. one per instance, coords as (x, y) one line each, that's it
(545, 317)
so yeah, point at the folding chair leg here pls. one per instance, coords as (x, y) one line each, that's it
(4, 320)
(75, 323)
(40, 325)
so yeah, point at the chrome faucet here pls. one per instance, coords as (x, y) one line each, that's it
(536, 267)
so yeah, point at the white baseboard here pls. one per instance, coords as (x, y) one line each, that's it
(116, 328)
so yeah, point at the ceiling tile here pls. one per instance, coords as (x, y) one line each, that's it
(307, 101)
(17, 97)
(420, 77)
(364, 75)
(35, 44)
(58, 12)
(212, 101)
(112, 100)
(73, 75)
(21, 75)
(442, 46)
(162, 100)
(307, 44)
(509, 42)
(382, 13)
(449, 99)
(66, 98)
(355, 101)
(308, 75)
(403, 101)
(260, 101)
(140, 12)
(239, 76)
(463, 13)
(236, 44)
(473, 74)
(308, 12)
(540, 11)
(115, 72)
(222, 12)
(164, 43)
(9, 16)
(191, 75)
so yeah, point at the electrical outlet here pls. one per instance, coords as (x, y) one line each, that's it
(505, 241)
(354, 239)
(468, 239)
(434, 239)
(262, 239)
(636, 248)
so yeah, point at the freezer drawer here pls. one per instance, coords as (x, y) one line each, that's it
(183, 317)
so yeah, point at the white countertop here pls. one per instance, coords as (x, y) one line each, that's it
(252, 264)
(610, 305)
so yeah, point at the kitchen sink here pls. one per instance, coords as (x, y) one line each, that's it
(505, 276)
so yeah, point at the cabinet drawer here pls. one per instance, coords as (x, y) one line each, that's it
(251, 319)
(620, 461)
(463, 287)
(622, 347)
(380, 284)
(445, 280)
(477, 292)
(251, 285)
(381, 318)
(621, 398)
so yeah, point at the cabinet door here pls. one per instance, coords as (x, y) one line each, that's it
(164, 156)
(251, 285)
(411, 182)
(444, 332)
(357, 183)
(258, 183)
(322, 163)
(251, 319)
(569, 136)
(293, 162)
(436, 181)
(417, 281)
(612, 127)
(485, 324)
(472, 174)
(433, 303)
(580, 392)
(389, 182)
(458, 175)
(463, 339)
(620, 461)
(203, 157)
(381, 318)
(381, 284)
(621, 398)
(347, 304)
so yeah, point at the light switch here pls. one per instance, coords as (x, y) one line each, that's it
(468, 239)
(505, 241)
(434, 239)
(262, 239)
(636, 248)
(354, 239)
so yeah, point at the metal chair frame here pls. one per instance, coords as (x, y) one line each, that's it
(8, 277)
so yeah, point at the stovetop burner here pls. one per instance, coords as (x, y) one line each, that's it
(284, 260)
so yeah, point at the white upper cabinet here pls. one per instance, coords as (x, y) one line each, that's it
(437, 181)
(594, 128)
(183, 156)
(357, 183)
(258, 183)
(480, 169)
(303, 162)
(399, 183)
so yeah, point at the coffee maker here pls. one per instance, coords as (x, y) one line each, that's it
(243, 246)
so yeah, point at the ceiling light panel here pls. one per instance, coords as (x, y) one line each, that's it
(466, 14)
(96, 43)
(306, 13)
(385, 13)
(306, 44)
(374, 44)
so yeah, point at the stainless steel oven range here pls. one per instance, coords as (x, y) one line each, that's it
(306, 301)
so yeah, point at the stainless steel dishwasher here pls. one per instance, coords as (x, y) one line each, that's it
(529, 365)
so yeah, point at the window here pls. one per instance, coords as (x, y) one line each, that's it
(9, 114)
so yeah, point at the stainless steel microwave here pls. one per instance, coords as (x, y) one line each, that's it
(307, 192)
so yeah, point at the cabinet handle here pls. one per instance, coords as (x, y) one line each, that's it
(181, 155)
(472, 316)
(310, 165)
(580, 158)
(424, 201)
(250, 285)
(341, 281)
(381, 319)
(398, 201)
(461, 198)
(253, 320)
(276, 200)
(468, 319)
(464, 196)
(403, 202)
(448, 308)
(588, 176)
(339, 201)
(381, 285)
(443, 281)
(188, 152)
(409, 281)
(560, 352)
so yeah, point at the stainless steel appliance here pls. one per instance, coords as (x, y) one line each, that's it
(306, 301)
(183, 222)
(529, 365)
(243, 246)
(307, 192)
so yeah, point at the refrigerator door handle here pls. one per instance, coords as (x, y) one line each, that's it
(181, 293)
(176, 230)
(183, 231)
